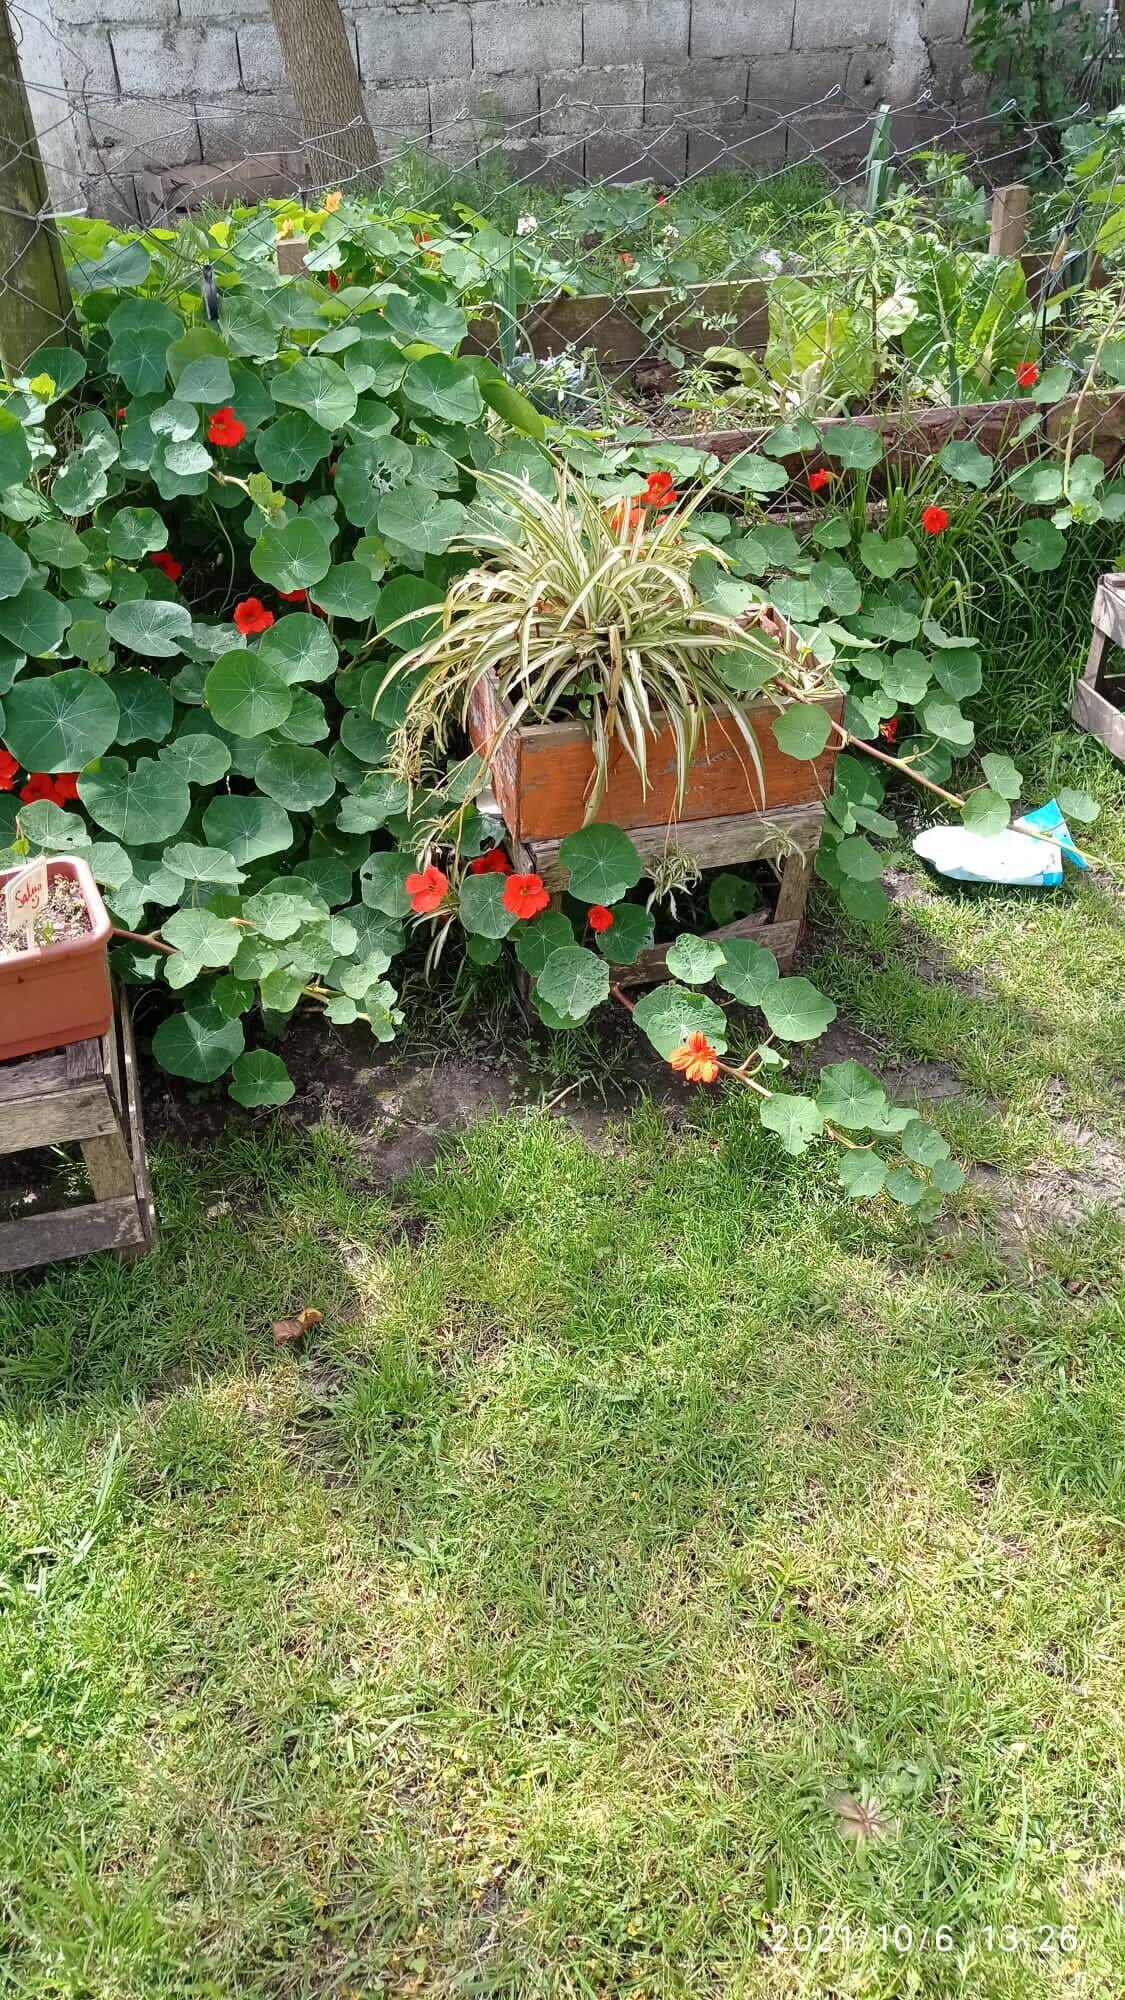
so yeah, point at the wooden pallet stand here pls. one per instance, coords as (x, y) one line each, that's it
(1092, 709)
(85, 1092)
(789, 838)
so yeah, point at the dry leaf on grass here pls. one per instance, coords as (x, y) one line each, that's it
(286, 1331)
(859, 1819)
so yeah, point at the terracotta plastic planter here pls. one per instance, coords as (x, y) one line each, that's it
(541, 773)
(57, 993)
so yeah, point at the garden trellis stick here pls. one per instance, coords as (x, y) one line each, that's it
(37, 305)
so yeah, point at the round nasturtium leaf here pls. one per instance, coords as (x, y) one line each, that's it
(857, 447)
(483, 913)
(348, 592)
(203, 757)
(802, 730)
(299, 648)
(142, 806)
(603, 863)
(203, 864)
(573, 981)
(796, 1010)
(694, 959)
(320, 388)
(15, 453)
(199, 1043)
(382, 880)
(15, 567)
(986, 812)
(245, 695)
(150, 626)
(208, 380)
(33, 621)
(292, 448)
(366, 472)
(537, 939)
(861, 1172)
(747, 970)
(298, 777)
(145, 703)
(444, 388)
(964, 460)
(247, 827)
(796, 1120)
(202, 937)
(135, 532)
(293, 557)
(669, 1014)
(630, 933)
(61, 721)
(260, 1077)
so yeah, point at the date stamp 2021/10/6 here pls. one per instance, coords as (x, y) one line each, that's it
(1032, 1940)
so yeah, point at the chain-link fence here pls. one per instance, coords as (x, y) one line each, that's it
(733, 264)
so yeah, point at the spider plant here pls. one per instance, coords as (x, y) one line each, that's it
(588, 608)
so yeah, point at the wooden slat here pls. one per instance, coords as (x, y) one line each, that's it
(109, 1165)
(1109, 610)
(69, 1232)
(793, 892)
(711, 843)
(82, 1112)
(1099, 717)
(30, 1076)
(85, 1060)
(1008, 232)
(625, 329)
(652, 965)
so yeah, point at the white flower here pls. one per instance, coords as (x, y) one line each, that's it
(670, 233)
(527, 225)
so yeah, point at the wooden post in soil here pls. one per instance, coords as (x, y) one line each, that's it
(316, 43)
(37, 306)
(1008, 233)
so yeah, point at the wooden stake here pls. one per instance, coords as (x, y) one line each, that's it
(1009, 220)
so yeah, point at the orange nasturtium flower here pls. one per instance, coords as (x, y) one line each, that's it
(332, 201)
(427, 891)
(697, 1060)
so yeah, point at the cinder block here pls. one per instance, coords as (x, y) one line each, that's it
(592, 100)
(175, 62)
(838, 137)
(642, 30)
(948, 20)
(742, 145)
(240, 126)
(397, 45)
(260, 60)
(507, 37)
(725, 28)
(400, 112)
(233, 11)
(779, 83)
(955, 79)
(645, 157)
(117, 198)
(135, 134)
(87, 65)
(826, 24)
(504, 105)
(866, 83)
(683, 90)
(159, 13)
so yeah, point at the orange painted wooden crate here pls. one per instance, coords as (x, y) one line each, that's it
(541, 772)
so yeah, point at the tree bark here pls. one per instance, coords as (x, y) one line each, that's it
(36, 307)
(317, 47)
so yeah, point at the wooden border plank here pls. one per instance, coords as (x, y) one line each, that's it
(58, 1233)
(82, 1112)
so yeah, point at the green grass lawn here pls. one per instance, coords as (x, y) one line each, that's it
(632, 1506)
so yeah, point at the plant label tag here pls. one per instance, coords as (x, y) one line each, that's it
(24, 896)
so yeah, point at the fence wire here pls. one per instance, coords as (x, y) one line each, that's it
(653, 278)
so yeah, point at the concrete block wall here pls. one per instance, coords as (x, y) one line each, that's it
(573, 88)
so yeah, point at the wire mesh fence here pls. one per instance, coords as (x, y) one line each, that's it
(709, 269)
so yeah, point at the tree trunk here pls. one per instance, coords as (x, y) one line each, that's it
(316, 44)
(37, 307)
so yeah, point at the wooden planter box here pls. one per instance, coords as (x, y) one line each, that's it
(1098, 707)
(55, 994)
(541, 773)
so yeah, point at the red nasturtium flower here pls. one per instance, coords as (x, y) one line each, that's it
(820, 479)
(495, 862)
(333, 281)
(165, 560)
(627, 258)
(660, 491)
(294, 596)
(1027, 374)
(122, 414)
(41, 785)
(600, 919)
(251, 616)
(225, 428)
(427, 891)
(889, 730)
(697, 1060)
(525, 896)
(8, 769)
(935, 520)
